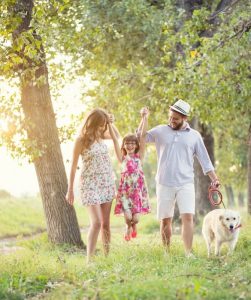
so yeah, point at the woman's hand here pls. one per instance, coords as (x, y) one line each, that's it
(110, 118)
(70, 197)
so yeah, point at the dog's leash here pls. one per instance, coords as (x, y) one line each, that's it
(215, 196)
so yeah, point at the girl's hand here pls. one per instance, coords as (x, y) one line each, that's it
(70, 197)
(111, 118)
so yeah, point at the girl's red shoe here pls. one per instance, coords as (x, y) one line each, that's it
(134, 234)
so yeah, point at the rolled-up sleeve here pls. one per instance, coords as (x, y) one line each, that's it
(150, 135)
(202, 155)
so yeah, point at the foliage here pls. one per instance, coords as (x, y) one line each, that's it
(141, 53)
(20, 59)
(148, 56)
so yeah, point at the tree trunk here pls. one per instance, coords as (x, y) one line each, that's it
(201, 181)
(189, 5)
(241, 199)
(249, 171)
(62, 225)
(223, 4)
(230, 195)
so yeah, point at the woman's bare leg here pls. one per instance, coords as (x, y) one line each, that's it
(95, 224)
(105, 226)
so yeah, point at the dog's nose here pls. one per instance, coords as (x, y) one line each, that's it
(231, 226)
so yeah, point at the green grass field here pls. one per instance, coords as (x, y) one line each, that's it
(24, 216)
(139, 269)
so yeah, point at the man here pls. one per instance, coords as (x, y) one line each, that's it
(176, 145)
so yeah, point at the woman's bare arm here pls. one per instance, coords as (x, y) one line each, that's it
(107, 134)
(76, 152)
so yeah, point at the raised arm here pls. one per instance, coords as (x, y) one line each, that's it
(114, 136)
(144, 111)
(142, 137)
(76, 152)
(140, 126)
(107, 134)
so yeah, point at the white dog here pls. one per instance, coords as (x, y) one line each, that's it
(221, 225)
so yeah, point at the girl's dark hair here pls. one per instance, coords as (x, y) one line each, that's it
(129, 138)
(88, 134)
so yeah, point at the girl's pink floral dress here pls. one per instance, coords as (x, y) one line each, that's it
(132, 191)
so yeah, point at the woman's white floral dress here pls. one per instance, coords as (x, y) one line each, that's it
(97, 184)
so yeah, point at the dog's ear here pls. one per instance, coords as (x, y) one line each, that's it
(221, 217)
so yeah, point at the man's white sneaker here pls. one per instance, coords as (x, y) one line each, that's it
(190, 255)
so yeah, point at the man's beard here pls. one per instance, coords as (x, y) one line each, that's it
(179, 126)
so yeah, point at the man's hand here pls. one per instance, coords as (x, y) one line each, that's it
(144, 112)
(215, 183)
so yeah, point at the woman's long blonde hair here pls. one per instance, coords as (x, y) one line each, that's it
(88, 134)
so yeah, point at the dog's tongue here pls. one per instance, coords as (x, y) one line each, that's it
(231, 229)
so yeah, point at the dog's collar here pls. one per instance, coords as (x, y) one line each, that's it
(238, 226)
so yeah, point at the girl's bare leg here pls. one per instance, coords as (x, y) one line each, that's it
(105, 226)
(128, 220)
(135, 220)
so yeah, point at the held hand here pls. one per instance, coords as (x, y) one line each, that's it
(111, 118)
(144, 112)
(70, 197)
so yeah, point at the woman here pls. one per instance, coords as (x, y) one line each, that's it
(97, 187)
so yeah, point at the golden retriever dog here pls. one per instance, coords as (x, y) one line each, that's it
(223, 226)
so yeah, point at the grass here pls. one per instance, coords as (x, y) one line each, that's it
(139, 269)
(25, 216)
(136, 270)
(21, 216)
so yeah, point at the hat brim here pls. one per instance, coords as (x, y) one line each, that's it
(179, 110)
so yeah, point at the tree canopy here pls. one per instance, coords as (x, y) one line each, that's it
(142, 53)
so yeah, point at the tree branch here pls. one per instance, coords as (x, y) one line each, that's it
(244, 26)
(224, 9)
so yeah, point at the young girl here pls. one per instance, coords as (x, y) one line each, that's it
(97, 186)
(132, 197)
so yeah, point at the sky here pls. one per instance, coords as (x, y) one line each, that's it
(19, 178)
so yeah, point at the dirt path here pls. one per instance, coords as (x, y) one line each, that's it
(8, 245)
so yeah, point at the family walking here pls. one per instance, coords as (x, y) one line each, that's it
(176, 144)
